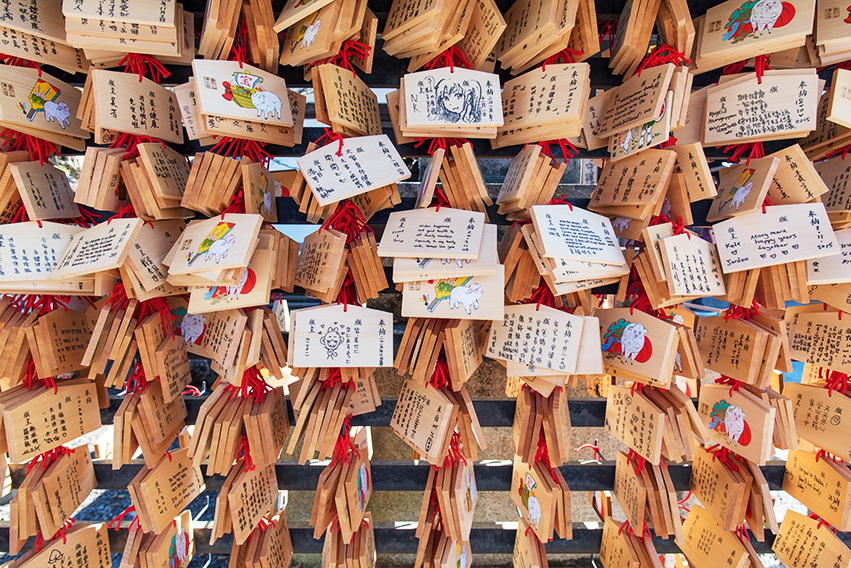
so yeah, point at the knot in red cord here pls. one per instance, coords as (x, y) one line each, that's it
(660, 56)
(157, 306)
(440, 378)
(243, 450)
(328, 137)
(560, 200)
(137, 379)
(738, 312)
(568, 150)
(440, 199)
(566, 55)
(130, 141)
(239, 49)
(680, 228)
(733, 383)
(254, 386)
(348, 292)
(335, 377)
(541, 296)
(837, 381)
(671, 141)
(236, 148)
(348, 50)
(236, 205)
(445, 143)
(452, 57)
(344, 448)
(143, 65)
(118, 298)
(754, 149)
(347, 219)
(723, 455)
(658, 220)
(542, 455)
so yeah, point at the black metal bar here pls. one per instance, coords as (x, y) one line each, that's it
(492, 412)
(393, 540)
(406, 476)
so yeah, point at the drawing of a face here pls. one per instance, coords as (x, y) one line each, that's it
(454, 100)
(331, 341)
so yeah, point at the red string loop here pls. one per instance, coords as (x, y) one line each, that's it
(452, 57)
(606, 29)
(130, 141)
(568, 150)
(660, 56)
(440, 378)
(566, 55)
(754, 149)
(445, 143)
(328, 137)
(237, 148)
(348, 50)
(37, 148)
(143, 65)
(19, 62)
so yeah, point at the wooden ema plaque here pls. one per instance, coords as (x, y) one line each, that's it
(740, 422)
(557, 336)
(821, 484)
(428, 233)
(635, 421)
(168, 489)
(371, 162)
(803, 542)
(706, 544)
(424, 418)
(783, 234)
(119, 95)
(334, 336)
(819, 416)
(36, 423)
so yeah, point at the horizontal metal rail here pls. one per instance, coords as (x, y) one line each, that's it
(492, 412)
(403, 540)
(387, 475)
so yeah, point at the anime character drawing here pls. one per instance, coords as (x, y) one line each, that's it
(42, 98)
(628, 340)
(450, 100)
(754, 17)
